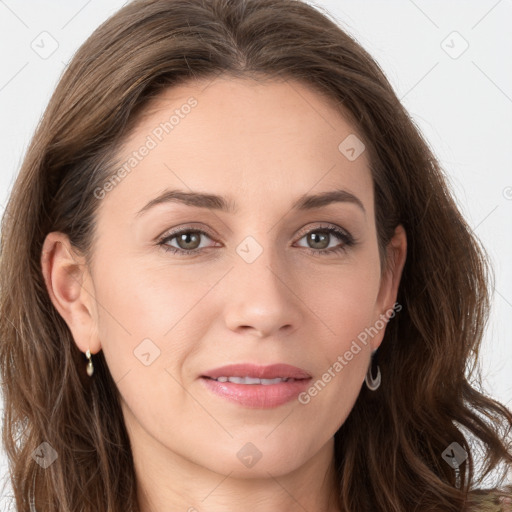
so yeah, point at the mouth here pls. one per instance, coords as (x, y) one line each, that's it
(253, 380)
(257, 387)
(253, 371)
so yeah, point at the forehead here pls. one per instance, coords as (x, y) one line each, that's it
(240, 137)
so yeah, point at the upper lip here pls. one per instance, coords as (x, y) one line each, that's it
(256, 371)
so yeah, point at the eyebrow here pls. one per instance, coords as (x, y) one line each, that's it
(216, 202)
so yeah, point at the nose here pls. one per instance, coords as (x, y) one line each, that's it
(262, 299)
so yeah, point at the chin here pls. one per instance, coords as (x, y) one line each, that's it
(256, 459)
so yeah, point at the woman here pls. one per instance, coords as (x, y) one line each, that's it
(228, 211)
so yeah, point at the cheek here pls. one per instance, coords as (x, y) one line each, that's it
(151, 310)
(344, 299)
(346, 309)
(133, 316)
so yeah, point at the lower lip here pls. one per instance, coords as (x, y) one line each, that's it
(258, 396)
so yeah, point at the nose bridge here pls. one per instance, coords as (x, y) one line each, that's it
(259, 295)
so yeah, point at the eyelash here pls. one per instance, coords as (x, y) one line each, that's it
(347, 239)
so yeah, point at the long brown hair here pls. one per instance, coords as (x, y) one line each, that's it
(389, 451)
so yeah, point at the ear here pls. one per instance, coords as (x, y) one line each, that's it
(396, 252)
(70, 289)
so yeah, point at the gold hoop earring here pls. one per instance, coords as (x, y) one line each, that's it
(90, 367)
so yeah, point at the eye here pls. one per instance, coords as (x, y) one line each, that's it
(320, 238)
(188, 241)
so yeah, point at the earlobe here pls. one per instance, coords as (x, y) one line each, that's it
(65, 276)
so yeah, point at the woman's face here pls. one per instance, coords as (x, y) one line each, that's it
(266, 284)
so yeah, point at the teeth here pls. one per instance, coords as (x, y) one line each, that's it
(253, 380)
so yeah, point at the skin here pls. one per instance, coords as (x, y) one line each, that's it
(262, 146)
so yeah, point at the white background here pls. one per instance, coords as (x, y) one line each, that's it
(463, 105)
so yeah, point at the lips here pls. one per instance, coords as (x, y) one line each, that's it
(274, 371)
(253, 386)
